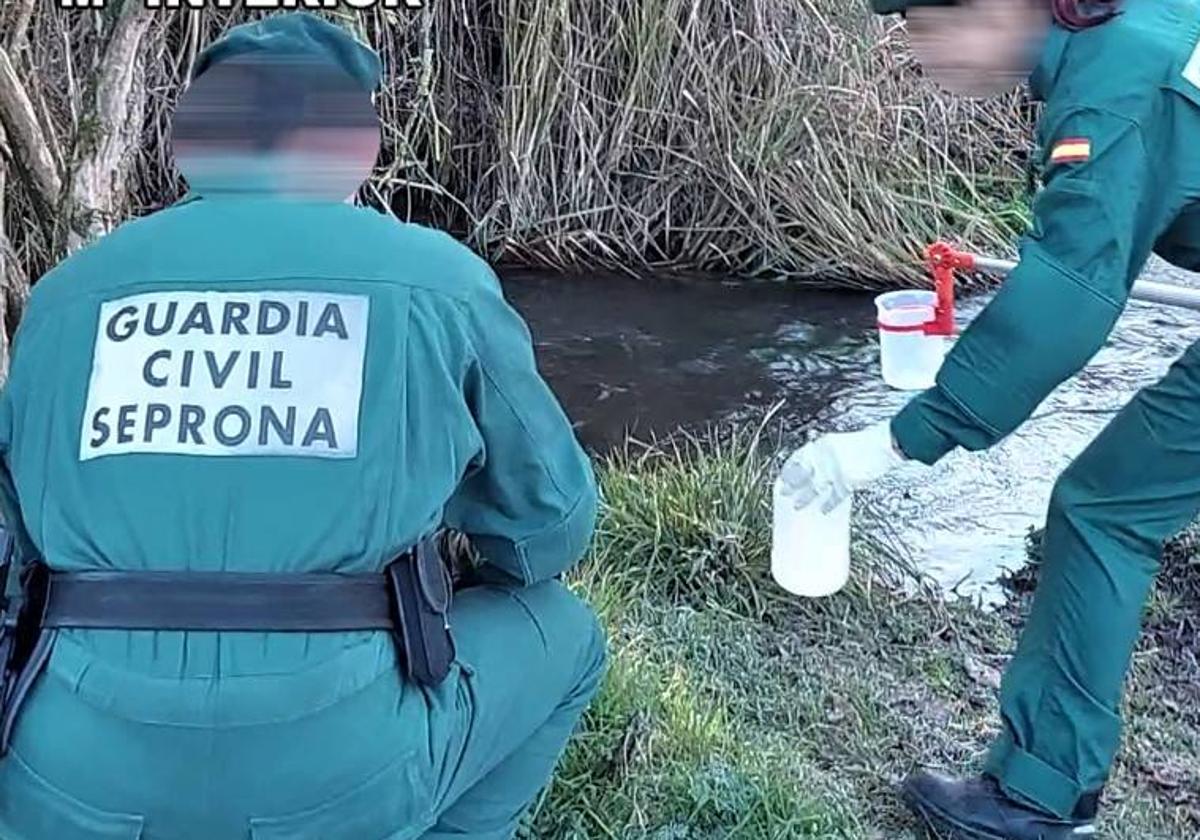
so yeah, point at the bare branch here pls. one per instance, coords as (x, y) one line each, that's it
(121, 57)
(5, 260)
(21, 13)
(28, 141)
(111, 130)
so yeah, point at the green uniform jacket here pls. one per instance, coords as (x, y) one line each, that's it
(1119, 137)
(258, 385)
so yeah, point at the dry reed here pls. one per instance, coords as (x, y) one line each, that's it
(788, 138)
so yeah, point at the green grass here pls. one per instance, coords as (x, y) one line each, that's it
(733, 711)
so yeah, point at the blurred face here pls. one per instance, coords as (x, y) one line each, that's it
(980, 47)
(292, 128)
(328, 160)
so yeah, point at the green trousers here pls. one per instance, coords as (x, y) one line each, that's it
(387, 760)
(1136, 486)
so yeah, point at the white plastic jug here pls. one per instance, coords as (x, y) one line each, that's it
(810, 550)
(910, 359)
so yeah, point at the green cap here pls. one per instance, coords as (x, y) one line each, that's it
(889, 7)
(296, 36)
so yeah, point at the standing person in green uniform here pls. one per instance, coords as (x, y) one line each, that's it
(1121, 179)
(222, 425)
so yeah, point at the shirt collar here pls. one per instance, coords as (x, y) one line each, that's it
(1045, 73)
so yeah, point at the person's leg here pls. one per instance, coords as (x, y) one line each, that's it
(537, 657)
(1136, 485)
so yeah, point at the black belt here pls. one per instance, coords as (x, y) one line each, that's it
(411, 598)
(218, 601)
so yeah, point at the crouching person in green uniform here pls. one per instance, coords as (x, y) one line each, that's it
(1121, 179)
(229, 432)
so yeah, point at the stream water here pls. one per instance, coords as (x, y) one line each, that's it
(635, 356)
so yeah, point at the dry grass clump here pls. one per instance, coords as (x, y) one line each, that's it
(761, 137)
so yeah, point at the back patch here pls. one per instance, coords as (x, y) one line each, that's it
(1191, 70)
(227, 373)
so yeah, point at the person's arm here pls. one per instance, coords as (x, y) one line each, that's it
(529, 504)
(1095, 222)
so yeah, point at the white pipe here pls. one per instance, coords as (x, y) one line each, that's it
(1147, 290)
(994, 266)
(1166, 293)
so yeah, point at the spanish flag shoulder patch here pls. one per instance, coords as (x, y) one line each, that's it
(1071, 150)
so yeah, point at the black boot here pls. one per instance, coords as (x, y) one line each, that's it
(977, 809)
